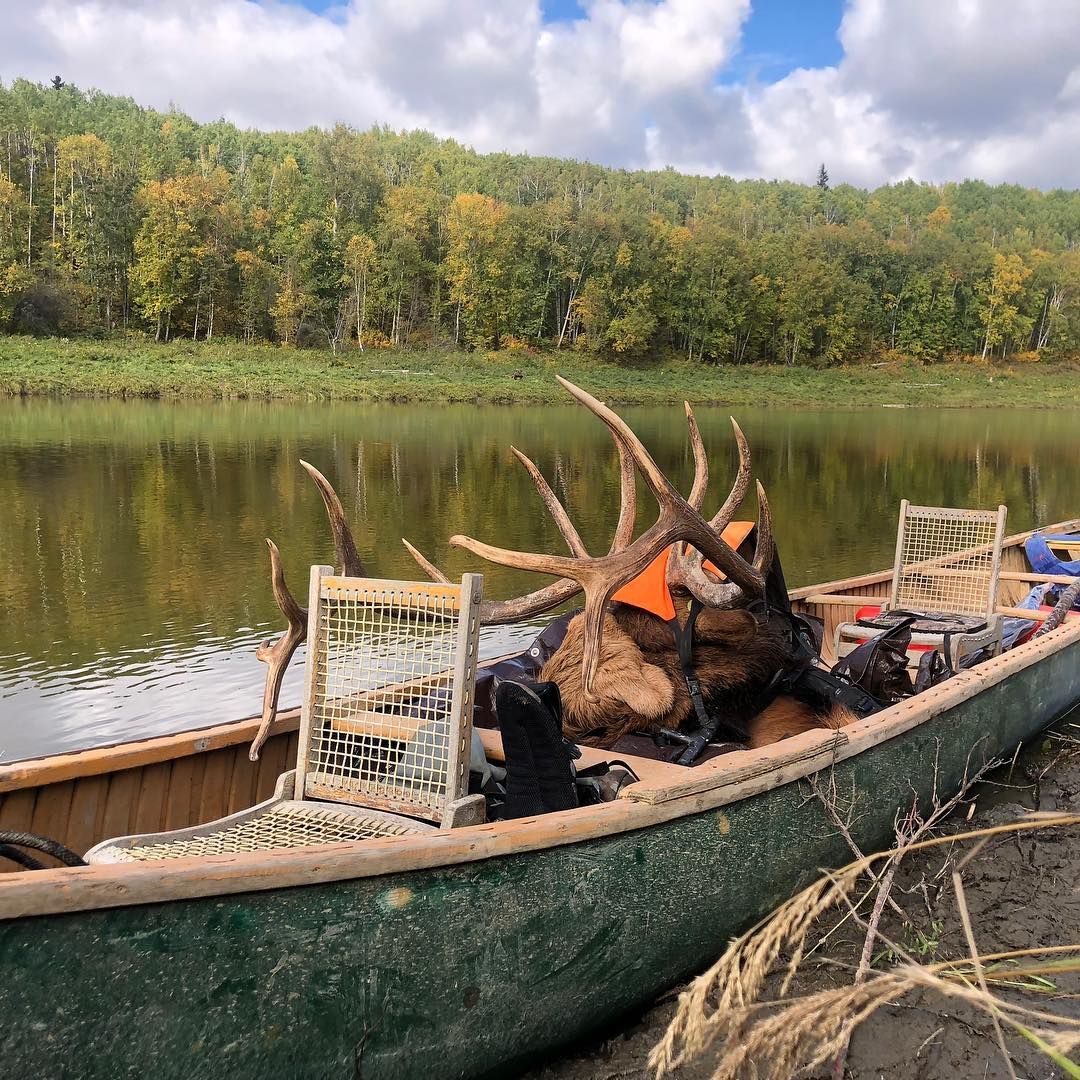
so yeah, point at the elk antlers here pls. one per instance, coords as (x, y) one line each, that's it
(277, 655)
(679, 526)
(678, 522)
(686, 565)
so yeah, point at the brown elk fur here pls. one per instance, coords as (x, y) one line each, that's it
(786, 717)
(639, 683)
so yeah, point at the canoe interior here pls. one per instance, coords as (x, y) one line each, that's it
(181, 780)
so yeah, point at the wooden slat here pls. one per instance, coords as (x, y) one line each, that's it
(17, 809)
(1033, 616)
(292, 748)
(16, 812)
(87, 813)
(216, 784)
(178, 798)
(843, 600)
(273, 761)
(1009, 575)
(378, 725)
(150, 804)
(52, 811)
(198, 779)
(242, 784)
(121, 803)
(1036, 579)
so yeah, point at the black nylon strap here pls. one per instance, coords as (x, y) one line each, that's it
(707, 725)
(684, 643)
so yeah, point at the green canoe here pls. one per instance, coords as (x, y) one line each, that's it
(457, 953)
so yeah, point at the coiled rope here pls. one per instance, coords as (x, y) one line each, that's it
(12, 840)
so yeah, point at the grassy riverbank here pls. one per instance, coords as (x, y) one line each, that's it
(120, 368)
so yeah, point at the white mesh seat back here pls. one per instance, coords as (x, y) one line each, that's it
(947, 560)
(386, 720)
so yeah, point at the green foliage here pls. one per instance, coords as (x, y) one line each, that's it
(125, 218)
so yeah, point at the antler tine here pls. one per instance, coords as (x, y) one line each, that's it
(496, 612)
(687, 569)
(624, 531)
(429, 568)
(722, 517)
(557, 565)
(701, 460)
(765, 545)
(278, 654)
(658, 483)
(344, 545)
(555, 508)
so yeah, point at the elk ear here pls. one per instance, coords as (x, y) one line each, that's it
(734, 626)
(625, 675)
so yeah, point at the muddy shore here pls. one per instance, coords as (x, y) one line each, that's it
(1021, 891)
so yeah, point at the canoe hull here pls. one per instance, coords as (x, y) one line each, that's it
(470, 968)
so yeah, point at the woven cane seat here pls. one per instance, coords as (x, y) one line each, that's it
(274, 824)
(385, 730)
(946, 571)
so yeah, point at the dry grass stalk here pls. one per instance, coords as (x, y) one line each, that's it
(969, 937)
(806, 1032)
(911, 828)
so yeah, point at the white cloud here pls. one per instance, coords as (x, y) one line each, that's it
(936, 91)
(927, 89)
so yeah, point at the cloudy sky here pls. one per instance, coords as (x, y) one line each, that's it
(878, 89)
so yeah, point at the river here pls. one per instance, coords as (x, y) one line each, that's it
(134, 578)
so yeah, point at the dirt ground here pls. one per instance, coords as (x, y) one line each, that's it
(1021, 891)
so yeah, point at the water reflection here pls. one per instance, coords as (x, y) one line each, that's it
(133, 578)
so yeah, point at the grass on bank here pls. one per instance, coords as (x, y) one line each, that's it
(229, 370)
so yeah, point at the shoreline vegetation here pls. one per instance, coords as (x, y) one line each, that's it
(186, 370)
(117, 219)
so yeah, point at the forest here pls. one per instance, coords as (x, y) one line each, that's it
(115, 217)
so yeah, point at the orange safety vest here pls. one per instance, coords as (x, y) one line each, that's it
(649, 590)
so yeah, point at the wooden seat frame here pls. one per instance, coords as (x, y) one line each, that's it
(318, 804)
(954, 646)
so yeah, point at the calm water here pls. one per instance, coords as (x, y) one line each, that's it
(133, 574)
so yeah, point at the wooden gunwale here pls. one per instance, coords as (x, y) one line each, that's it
(653, 801)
